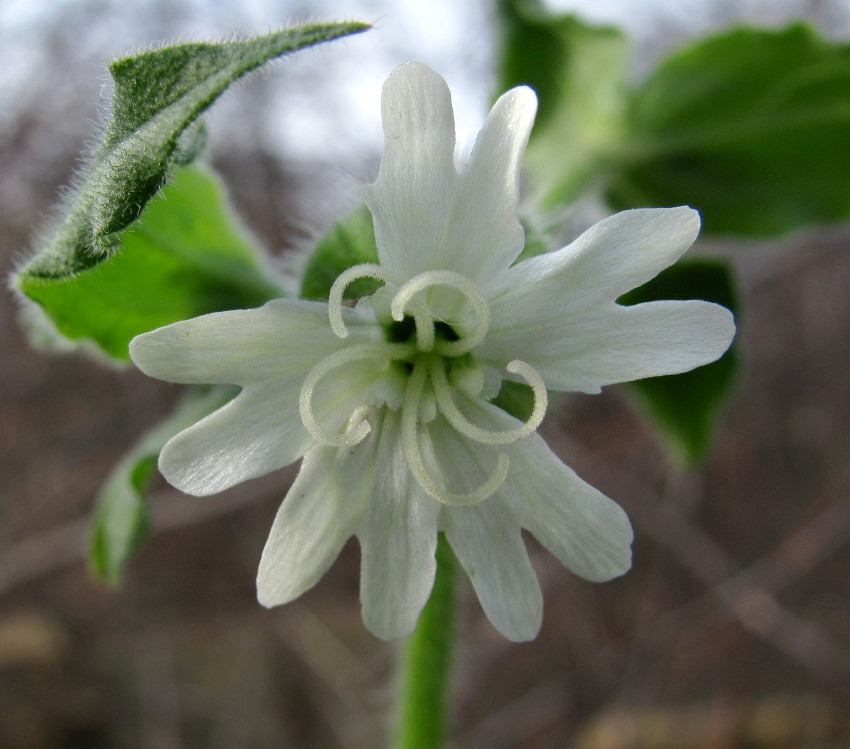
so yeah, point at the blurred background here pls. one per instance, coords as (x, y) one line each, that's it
(731, 631)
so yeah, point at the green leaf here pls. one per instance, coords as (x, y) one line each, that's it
(516, 398)
(158, 97)
(185, 257)
(120, 522)
(750, 126)
(579, 74)
(349, 242)
(684, 406)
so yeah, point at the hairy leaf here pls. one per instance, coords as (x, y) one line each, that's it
(185, 257)
(159, 94)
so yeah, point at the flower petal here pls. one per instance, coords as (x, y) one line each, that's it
(239, 347)
(260, 431)
(588, 533)
(320, 513)
(485, 235)
(614, 256)
(411, 199)
(487, 540)
(582, 352)
(398, 540)
(426, 215)
(486, 537)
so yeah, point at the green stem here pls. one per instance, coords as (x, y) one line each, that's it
(426, 663)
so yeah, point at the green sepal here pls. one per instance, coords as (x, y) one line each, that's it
(684, 406)
(750, 127)
(186, 256)
(350, 241)
(159, 94)
(579, 74)
(120, 522)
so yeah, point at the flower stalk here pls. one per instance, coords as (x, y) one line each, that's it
(425, 668)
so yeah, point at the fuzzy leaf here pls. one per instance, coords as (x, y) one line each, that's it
(158, 97)
(185, 257)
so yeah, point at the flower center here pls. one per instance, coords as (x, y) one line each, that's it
(432, 353)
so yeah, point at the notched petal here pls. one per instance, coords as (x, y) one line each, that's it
(315, 520)
(488, 543)
(612, 257)
(589, 533)
(417, 179)
(398, 540)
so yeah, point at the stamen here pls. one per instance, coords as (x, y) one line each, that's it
(449, 409)
(328, 364)
(424, 326)
(410, 442)
(459, 283)
(344, 279)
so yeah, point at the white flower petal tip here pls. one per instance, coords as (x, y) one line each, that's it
(416, 103)
(677, 226)
(515, 111)
(614, 557)
(408, 78)
(313, 523)
(719, 331)
(641, 241)
(147, 353)
(489, 546)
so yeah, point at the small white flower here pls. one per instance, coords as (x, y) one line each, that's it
(388, 403)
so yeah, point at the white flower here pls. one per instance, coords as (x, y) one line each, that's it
(388, 403)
